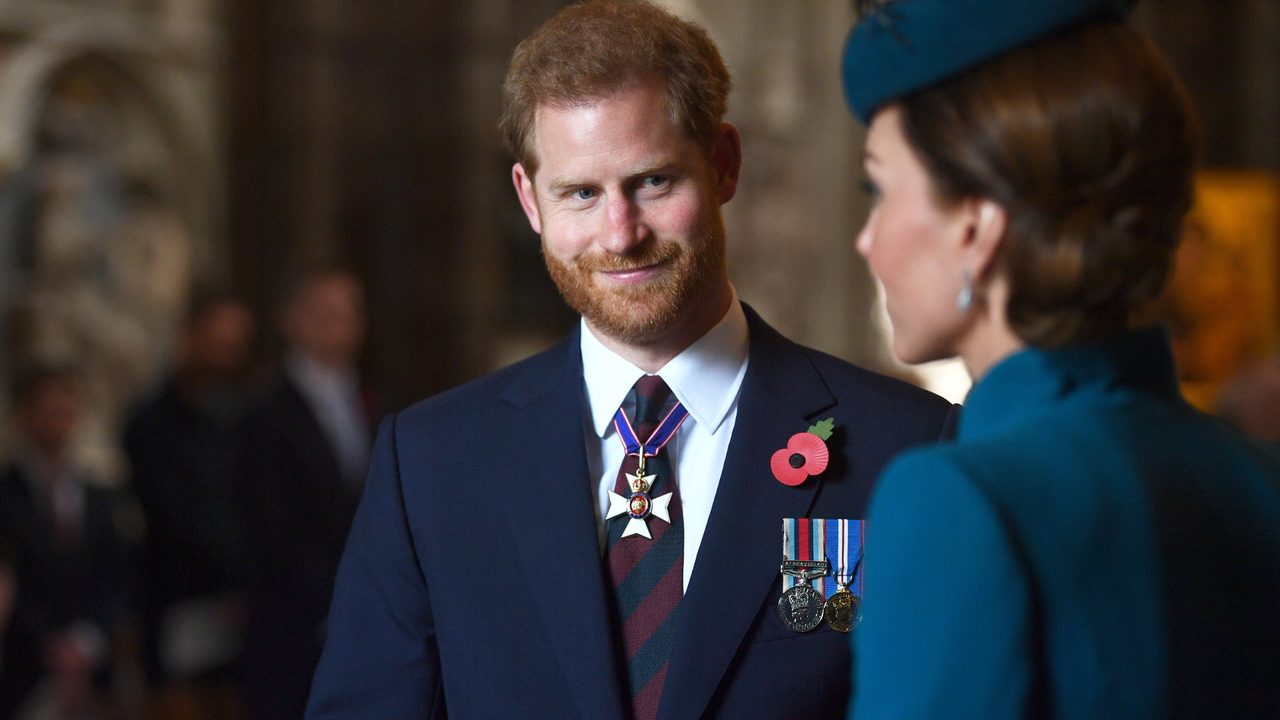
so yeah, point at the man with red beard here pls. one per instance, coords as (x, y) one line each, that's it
(597, 532)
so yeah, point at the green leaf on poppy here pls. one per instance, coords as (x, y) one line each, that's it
(824, 428)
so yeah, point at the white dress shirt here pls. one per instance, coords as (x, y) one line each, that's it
(705, 378)
(334, 398)
(56, 487)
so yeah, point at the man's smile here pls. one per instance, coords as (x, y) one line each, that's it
(636, 276)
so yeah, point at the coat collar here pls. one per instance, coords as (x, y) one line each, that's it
(1026, 382)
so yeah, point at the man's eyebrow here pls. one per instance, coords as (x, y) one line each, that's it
(561, 184)
(655, 169)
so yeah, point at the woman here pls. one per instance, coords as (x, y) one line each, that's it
(1090, 546)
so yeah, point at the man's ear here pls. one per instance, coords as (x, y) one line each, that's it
(528, 199)
(726, 158)
(988, 221)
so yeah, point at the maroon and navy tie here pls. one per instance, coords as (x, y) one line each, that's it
(648, 573)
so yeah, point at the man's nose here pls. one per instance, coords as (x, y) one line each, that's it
(623, 227)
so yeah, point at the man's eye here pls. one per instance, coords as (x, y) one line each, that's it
(871, 189)
(655, 181)
(584, 194)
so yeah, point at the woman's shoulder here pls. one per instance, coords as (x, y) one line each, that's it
(972, 460)
(1028, 466)
(1055, 442)
(949, 477)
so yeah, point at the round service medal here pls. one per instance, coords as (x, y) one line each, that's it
(844, 611)
(801, 608)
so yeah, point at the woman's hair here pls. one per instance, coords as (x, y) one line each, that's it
(1089, 142)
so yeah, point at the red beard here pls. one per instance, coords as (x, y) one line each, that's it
(646, 311)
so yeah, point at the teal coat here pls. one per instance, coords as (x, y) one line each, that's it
(1089, 547)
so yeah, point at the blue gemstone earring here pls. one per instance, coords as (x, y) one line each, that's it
(965, 299)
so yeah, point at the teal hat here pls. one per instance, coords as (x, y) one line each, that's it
(904, 45)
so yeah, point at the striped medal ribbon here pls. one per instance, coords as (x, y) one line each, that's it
(661, 434)
(813, 548)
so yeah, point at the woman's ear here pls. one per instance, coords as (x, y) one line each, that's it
(988, 222)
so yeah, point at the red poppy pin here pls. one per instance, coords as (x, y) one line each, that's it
(805, 454)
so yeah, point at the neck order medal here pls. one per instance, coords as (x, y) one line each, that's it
(641, 504)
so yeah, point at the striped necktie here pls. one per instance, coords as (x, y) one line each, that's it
(648, 574)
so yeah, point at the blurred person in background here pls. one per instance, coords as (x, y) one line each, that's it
(69, 541)
(1090, 546)
(184, 448)
(307, 453)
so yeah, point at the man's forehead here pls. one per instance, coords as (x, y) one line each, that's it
(584, 122)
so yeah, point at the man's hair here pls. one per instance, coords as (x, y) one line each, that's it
(599, 48)
(301, 279)
(207, 298)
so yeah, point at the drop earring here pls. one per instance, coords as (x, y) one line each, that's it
(965, 299)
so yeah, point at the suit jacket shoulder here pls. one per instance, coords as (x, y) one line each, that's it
(896, 402)
(518, 384)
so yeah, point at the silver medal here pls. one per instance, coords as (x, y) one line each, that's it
(801, 608)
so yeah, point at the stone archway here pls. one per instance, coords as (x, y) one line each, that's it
(103, 212)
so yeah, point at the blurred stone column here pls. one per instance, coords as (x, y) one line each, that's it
(511, 307)
(798, 209)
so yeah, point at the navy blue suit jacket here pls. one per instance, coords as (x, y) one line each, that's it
(472, 579)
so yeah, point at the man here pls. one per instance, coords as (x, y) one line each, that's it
(183, 447)
(306, 455)
(69, 543)
(511, 558)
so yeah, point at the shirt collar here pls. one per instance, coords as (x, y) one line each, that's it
(320, 379)
(704, 377)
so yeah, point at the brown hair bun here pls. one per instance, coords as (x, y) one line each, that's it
(1090, 142)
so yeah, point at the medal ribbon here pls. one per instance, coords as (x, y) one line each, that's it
(840, 541)
(661, 434)
(844, 550)
(803, 539)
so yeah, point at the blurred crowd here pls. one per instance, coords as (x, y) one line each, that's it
(199, 589)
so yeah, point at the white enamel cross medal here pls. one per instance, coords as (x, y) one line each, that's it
(639, 505)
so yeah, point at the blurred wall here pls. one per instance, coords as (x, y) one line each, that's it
(1228, 53)
(364, 134)
(793, 223)
(111, 201)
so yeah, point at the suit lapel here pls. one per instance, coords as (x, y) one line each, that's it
(558, 544)
(740, 553)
